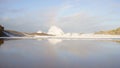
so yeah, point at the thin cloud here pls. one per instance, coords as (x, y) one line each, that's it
(11, 11)
(8, 1)
(71, 15)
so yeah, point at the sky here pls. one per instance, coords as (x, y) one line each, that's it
(83, 16)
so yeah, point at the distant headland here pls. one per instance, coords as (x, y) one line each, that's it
(110, 32)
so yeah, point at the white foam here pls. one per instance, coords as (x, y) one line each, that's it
(54, 30)
(39, 31)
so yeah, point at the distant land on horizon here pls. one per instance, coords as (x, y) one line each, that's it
(21, 34)
(111, 32)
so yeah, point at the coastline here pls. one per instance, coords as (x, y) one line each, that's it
(68, 37)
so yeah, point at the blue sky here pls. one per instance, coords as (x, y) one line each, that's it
(71, 15)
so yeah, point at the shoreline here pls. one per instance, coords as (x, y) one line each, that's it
(67, 37)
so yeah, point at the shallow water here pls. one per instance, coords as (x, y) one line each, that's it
(59, 54)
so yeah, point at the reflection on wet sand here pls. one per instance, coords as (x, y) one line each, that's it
(1, 41)
(54, 41)
(117, 41)
(56, 53)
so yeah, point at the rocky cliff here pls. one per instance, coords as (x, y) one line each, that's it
(9, 33)
(1, 30)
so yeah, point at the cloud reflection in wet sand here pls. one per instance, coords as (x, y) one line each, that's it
(68, 53)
